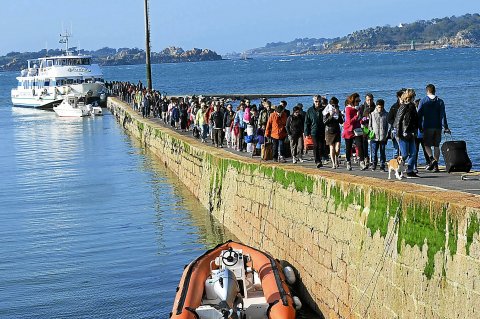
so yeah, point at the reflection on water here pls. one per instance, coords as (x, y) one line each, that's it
(91, 226)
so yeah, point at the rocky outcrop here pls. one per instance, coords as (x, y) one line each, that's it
(15, 61)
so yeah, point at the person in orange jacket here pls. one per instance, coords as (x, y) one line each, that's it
(277, 131)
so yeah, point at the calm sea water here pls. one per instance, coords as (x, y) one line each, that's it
(93, 227)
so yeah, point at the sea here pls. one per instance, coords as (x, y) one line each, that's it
(94, 226)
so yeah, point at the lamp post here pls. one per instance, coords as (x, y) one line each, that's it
(147, 44)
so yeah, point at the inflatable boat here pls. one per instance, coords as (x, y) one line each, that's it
(235, 281)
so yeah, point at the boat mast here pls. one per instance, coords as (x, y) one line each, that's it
(64, 39)
(147, 44)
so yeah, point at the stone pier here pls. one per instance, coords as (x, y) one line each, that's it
(363, 247)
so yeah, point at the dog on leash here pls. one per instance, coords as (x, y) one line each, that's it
(396, 164)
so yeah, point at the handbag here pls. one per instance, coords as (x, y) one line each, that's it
(358, 132)
(308, 143)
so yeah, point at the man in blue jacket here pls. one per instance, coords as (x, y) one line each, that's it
(431, 118)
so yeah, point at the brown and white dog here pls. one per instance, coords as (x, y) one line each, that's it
(396, 164)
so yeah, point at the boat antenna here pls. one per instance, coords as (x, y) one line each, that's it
(46, 49)
(64, 39)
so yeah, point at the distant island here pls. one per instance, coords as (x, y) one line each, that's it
(15, 61)
(463, 31)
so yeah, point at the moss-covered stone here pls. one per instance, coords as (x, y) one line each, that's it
(473, 228)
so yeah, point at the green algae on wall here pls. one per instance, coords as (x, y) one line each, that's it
(417, 226)
(343, 199)
(300, 181)
(382, 209)
(473, 227)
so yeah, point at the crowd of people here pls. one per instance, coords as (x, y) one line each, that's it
(365, 127)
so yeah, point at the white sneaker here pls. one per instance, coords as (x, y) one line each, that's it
(281, 159)
(300, 160)
(294, 160)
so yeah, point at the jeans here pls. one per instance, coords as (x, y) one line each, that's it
(395, 142)
(278, 148)
(375, 145)
(408, 151)
(204, 131)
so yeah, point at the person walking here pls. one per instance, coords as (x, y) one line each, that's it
(295, 126)
(242, 125)
(276, 130)
(431, 118)
(216, 120)
(200, 121)
(332, 117)
(391, 119)
(378, 123)
(406, 125)
(228, 118)
(265, 113)
(352, 131)
(365, 110)
(315, 128)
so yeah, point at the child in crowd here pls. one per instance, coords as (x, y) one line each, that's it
(378, 124)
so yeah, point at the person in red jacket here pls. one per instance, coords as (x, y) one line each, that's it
(352, 122)
(276, 129)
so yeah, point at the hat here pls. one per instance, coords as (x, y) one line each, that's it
(300, 105)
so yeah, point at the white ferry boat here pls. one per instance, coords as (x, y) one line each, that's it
(48, 80)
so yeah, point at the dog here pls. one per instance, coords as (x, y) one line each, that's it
(396, 165)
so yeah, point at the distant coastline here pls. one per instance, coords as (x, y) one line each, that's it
(448, 32)
(15, 61)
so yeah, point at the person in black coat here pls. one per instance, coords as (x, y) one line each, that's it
(295, 126)
(391, 119)
(406, 126)
(315, 128)
(217, 121)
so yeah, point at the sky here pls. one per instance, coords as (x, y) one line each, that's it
(221, 25)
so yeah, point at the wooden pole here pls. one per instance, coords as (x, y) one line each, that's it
(147, 43)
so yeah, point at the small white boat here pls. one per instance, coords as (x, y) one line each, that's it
(73, 106)
(96, 110)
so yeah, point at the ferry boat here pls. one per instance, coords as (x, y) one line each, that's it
(48, 80)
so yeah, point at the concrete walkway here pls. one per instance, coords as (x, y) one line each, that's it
(442, 180)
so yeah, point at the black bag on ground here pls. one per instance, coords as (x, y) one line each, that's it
(456, 157)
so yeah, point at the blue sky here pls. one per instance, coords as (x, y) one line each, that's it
(220, 25)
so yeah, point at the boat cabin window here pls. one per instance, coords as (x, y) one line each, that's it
(47, 83)
(69, 81)
(49, 63)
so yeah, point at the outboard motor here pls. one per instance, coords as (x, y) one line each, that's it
(225, 286)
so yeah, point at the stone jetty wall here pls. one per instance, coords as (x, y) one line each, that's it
(363, 247)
